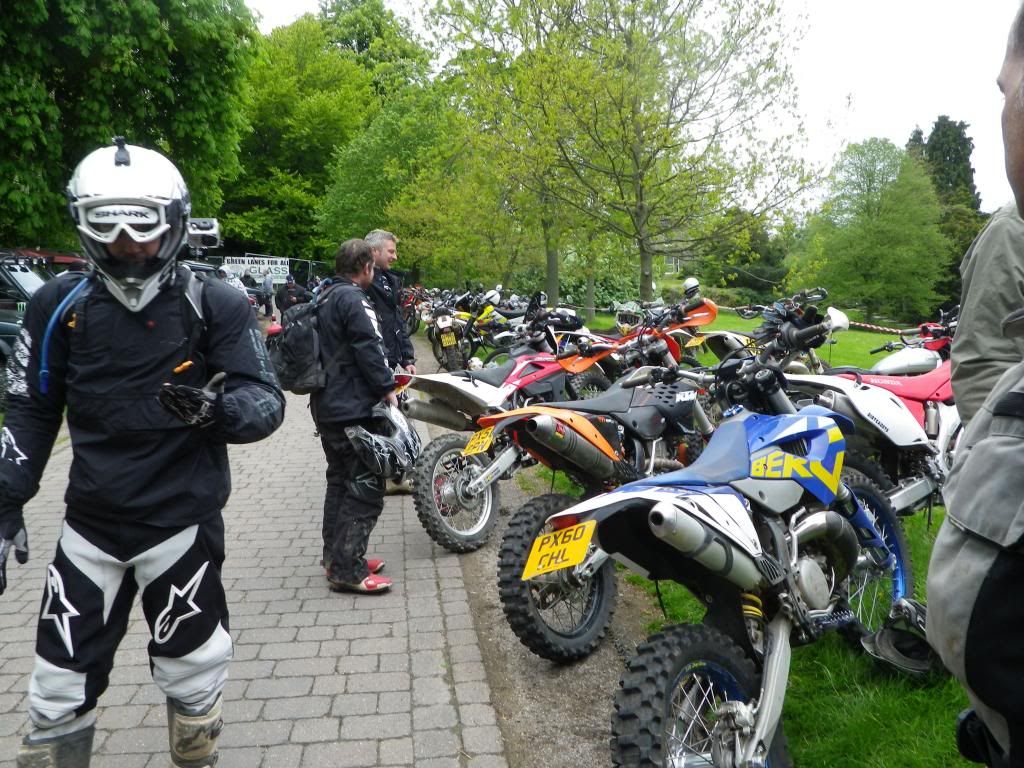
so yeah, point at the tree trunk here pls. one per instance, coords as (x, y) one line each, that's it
(588, 310)
(646, 270)
(551, 272)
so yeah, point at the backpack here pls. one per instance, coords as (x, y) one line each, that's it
(295, 351)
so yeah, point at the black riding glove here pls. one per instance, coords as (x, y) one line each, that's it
(196, 407)
(12, 536)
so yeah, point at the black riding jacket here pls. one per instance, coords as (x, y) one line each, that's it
(384, 291)
(351, 348)
(133, 460)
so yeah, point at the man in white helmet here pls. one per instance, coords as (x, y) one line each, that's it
(157, 371)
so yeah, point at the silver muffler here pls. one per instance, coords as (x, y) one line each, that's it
(435, 412)
(564, 441)
(690, 536)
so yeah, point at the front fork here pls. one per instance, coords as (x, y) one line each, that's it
(503, 462)
(743, 732)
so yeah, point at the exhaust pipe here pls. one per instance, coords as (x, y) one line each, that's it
(570, 446)
(435, 412)
(690, 536)
(843, 546)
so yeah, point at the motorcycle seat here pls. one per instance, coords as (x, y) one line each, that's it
(494, 376)
(614, 400)
(923, 387)
(725, 459)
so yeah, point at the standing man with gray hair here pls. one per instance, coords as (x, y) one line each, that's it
(384, 293)
(977, 562)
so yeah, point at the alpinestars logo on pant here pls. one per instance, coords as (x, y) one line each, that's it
(58, 609)
(180, 606)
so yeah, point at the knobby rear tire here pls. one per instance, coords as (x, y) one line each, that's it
(519, 599)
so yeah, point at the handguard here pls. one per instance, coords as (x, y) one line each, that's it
(194, 406)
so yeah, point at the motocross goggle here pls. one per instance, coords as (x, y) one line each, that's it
(104, 223)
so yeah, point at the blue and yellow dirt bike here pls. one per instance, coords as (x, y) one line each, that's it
(760, 529)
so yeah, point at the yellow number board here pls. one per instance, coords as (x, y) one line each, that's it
(480, 442)
(447, 339)
(561, 549)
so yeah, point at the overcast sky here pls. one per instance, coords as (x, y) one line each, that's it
(870, 68)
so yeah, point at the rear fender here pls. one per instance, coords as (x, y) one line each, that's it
(572, 420)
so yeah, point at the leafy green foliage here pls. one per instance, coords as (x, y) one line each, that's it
(308, 98)
(167, 75)
(383, 44)
(371, 171)
(877, 243)
(947, 156)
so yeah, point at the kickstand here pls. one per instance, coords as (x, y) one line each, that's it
(657, 591)
(929, 516)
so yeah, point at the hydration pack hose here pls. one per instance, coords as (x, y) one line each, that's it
(44, 369)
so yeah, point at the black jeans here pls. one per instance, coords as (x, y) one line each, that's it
(352, 506)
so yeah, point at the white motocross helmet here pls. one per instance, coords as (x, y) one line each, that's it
(136, 191)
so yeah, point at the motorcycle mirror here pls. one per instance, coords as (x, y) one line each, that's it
(838, 319)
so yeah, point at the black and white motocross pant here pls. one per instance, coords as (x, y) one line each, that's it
(90, 589)
(975, 624)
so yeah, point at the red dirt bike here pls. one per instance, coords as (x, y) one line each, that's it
(455, 482)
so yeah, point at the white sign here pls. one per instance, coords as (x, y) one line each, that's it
(255, 264)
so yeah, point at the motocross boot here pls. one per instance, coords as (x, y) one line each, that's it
(69, 750)
(193, 738)
(975, 742)
(901, 642)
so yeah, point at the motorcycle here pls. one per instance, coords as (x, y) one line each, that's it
(659, 340)
(621, 435)
(455, 488)
(762, 530)
(908, 425)
(563, 616)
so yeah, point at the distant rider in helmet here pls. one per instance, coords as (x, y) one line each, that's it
(157, 371)
(364, 436)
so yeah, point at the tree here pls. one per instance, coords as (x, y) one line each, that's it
(371, 171)
(641, 115)
(308, 98)
(383, 44)
(947, 154)
(741, 253)
(877, 242)
(168, 75)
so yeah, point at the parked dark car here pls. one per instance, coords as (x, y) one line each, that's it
(22, 272)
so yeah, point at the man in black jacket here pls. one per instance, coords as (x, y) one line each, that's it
(157, 372)
(384, 291)
(289, 295)
(358, 378)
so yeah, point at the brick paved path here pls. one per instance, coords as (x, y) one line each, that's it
(319, 680)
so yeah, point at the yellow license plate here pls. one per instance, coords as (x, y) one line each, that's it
(447, 339)
(558, 550)
(480, 442)
(696, 341)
